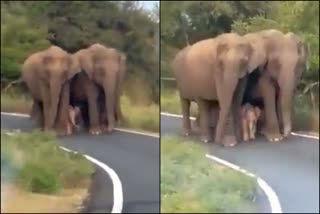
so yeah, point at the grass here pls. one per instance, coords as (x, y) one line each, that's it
(144, 117)
(35, 163)
(192, 183)
(15, 102)
(303, 117)
(170, 102)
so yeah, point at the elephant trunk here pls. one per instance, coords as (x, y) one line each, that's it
(287, 88)
(55, 89)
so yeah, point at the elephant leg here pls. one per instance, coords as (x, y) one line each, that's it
(196, 124)
(245, 130)
(119, 115)
(204, 120)
(279, 113)
(271, 131)
(230, 94)
(110, 99)
(185, 107)
(102, 113)
(63, 126)
(44, 90)
(92, 97)
(37, 113)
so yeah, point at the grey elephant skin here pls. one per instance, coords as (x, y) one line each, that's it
(279, 59)
(47, 75)
(100, 85)
(213, 70)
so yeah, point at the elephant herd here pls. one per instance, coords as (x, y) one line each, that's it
(230, 74)
(65, 86)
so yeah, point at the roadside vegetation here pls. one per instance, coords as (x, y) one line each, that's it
(33, 165)
(192, 183)
(141, 116)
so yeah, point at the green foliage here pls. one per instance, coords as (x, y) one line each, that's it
(215, 189)
(73, 25)
(36, 163)
(15, 47)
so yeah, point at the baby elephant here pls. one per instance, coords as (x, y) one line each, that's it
(74, 119)
(249, 118)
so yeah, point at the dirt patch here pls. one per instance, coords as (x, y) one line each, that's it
(17, 200)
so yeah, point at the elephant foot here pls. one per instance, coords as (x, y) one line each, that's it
(110, 129)
(229, 141)
(287, 131)
(273, 137)
(186, 131)
(245, 138)
(95, 131)
(62, 133)
(104, 128)
(205, 139)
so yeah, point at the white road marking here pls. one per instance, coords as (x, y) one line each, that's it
(15, 114)
(136, 132)
(304, 135)
(119, 129)
(117, 186)
(193, 118)
(270, 193)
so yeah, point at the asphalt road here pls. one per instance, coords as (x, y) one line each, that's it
(135, 158)
(291, 167)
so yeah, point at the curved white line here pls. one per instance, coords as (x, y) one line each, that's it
(117, 186)
(136, 132)
(119, 129)
(304, 135)
(193, 118)
(270, 193)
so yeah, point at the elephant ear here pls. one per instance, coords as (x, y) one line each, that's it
(222, 48)
(46, 60)
(258, 57)
(86, 62)
(74, 66)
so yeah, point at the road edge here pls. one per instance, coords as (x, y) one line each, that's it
(268, 191)
(116, 182)
(118, 129)
(193, 118)
(273, 199)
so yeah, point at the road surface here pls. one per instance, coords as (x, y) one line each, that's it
(135, 158)
(291, 167)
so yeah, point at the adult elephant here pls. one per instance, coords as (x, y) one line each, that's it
(47, 75)
(104, 69)
(279, 59)
(211, 70)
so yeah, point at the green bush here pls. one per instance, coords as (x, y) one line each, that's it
(215, 189)
(36, 163)
(35, 177)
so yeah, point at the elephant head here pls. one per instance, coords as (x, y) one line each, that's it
(259, 56)
(232, 55)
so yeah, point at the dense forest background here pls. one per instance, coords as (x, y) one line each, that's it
(186, 22)
(30, 26)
